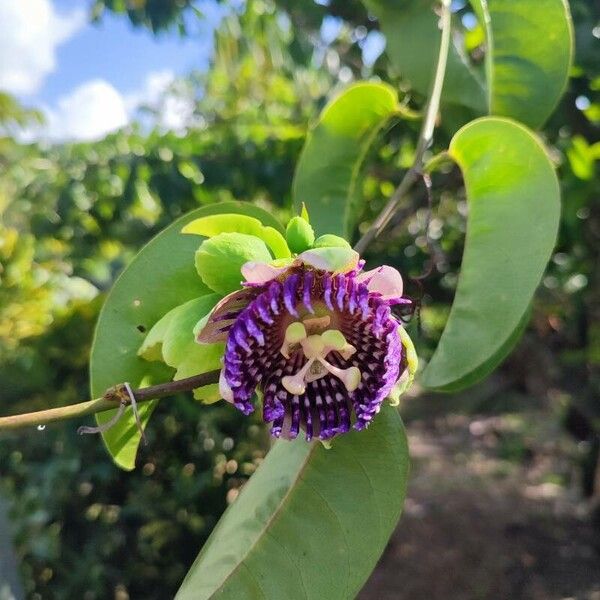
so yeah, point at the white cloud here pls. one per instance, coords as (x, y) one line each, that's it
(155, 85)
(30, 31)
(89, 112)
(96, 108)
(170, 101)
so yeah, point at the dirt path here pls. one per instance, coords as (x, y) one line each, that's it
(493, 512)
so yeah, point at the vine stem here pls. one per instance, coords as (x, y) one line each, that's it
(110, 400)
(425, 136)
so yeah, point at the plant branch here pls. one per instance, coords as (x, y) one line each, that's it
(425, 136)
(113, 397)
(110, 400)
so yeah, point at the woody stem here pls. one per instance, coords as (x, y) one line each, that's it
(425, 137)
(110, 400)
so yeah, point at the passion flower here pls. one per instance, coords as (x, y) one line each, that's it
(313, 334)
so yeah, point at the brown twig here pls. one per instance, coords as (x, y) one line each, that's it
(110, 400)
(425, 137)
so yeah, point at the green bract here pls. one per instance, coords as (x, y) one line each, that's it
(412, 363)
(172, 341)
(232, 223)
(331, 241)
(151, 349)
(219, 259)
(299, 235)
(179, 338)
(336, 260)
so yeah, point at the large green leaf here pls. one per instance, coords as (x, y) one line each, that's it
(327, 174)
(413, 42)
(529, 53)
(311, 523)
(493, 361)
(514, 210)
(159, 278)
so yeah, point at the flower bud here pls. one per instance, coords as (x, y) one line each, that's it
(299, 235)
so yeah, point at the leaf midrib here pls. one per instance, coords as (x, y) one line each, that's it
(269, 521)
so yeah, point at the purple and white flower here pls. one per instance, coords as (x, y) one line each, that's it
(316, 337)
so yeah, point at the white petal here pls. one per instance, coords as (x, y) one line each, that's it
(334, 260)
(258, 273)
(224, 389)
(383, 280)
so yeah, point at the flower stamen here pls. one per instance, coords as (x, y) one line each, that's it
(335, 340)
(350, 377)
(296, 384)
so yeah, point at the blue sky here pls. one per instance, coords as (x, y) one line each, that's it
(88, 79)
(123, 55)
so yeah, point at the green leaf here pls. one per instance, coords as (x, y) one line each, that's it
(529, 54)
(514, 211)
(224, 223)
(413, 42)
(159, 278)
(493, 361)
(172, 340)
(179, 336)
(219, 259)
(311, 522)
(327, 174)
